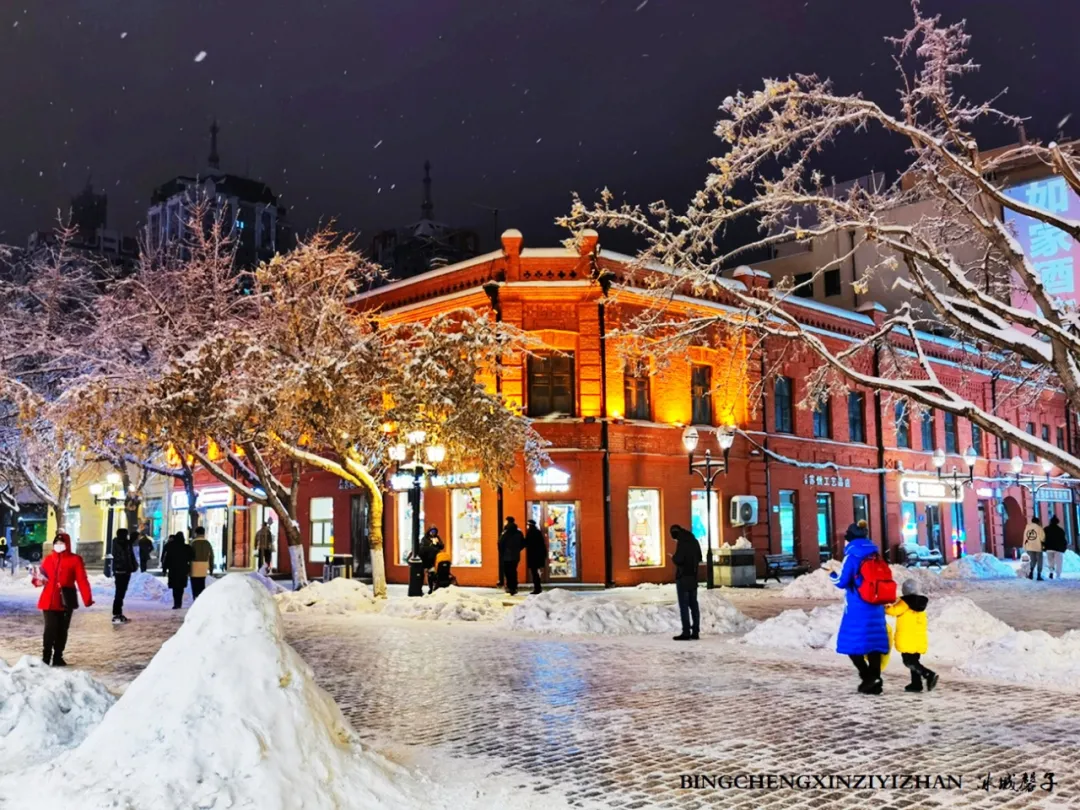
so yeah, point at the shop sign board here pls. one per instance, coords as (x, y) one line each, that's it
(1054, 495)
(204, 498)
(552, 480)
(930, 490)
(402, 482)
(827, 481)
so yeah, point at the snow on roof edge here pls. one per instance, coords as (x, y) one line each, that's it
(438, 271)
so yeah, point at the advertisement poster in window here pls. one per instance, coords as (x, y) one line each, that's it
(700, 522)
(643, 509)
(465, 508)
(404, 525)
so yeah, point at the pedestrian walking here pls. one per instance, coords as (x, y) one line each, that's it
(511, 541)
(124, 565)
(687, 558)
(176, 565)
(1054, 545)
(62, 572)
(264, 546)
(202, 562)
(536, 553)
(1034, 538)
(146, 547)
(868, 586)
(911, 639)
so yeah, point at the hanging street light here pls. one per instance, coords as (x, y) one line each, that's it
(707, 469)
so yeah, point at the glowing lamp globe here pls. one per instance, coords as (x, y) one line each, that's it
(690, 439)
(1017, 464)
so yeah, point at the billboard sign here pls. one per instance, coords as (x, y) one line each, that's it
(1052, 252)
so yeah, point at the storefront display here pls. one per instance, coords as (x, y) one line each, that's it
(322, 530)
(404, 526)
(466, 531)
(701, 521)
(646, 547)
(559, 522)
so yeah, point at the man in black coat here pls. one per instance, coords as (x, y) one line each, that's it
(124, 565)
(1054, 545)
(511, 541)
(687, 557)
(535, 553)
(176, 559)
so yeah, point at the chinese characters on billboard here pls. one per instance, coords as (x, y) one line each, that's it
(1053, 253)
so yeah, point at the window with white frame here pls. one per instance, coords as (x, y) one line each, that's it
(646, 545)
(322, 529)
(465, 517)
(404, 526)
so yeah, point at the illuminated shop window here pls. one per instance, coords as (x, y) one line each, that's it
(465, 512)
(646, 546)
(404, 525)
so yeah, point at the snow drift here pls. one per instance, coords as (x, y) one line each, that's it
(799, 629)
(449, 605)
(339, 595)
(44, 711)
(226, 715)
(978, 566)
(818, 585)
(565, 613)
(143, 585)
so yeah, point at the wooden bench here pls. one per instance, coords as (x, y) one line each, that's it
(786, 565)
(916, 555)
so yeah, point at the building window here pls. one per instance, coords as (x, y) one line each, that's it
(1004, 448)
(976, 439)
(788, 521)
(701, 395)
(404, 526)
(909, 528)
(322, 529)
(73, 526)
(636, 390)
(1031, 432)
(903, 425)
(804, 285)
(860, 508)
(704, 520)
(832, 282)
(927, 429)
(825, 524)
(551, 384)
(823, 418)
(465, 526)
(782, 401)
(1046, 433)
(643, 509)
(952, 439)
(856, 416)
(959, 535)
(1061, 438)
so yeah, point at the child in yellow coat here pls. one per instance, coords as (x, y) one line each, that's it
(911, 639)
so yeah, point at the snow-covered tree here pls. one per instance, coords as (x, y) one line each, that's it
(961, 264)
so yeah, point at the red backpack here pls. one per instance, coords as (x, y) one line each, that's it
(877, 586)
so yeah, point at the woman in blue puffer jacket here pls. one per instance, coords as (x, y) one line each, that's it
(863, 635)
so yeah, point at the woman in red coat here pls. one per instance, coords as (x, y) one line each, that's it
(61, 572)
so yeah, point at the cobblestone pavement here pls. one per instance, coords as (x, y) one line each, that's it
(615, 722)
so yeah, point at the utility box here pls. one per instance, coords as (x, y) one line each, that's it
(735, 567)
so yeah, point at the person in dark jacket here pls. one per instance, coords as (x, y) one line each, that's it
(863, 636)
(124, 565)
(430, 546)
(146, 548)
(687, 557)
(61, 573)
(535, 553)
(1054, 545)
(176, 564)
(202, 562)
(511, 541)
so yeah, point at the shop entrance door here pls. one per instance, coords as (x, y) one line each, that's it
(933, 527)
(216, 521)
(358, 524)
(559, 521)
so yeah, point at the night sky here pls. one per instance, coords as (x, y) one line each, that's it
(516, 102)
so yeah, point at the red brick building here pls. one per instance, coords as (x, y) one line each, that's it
(619, 475)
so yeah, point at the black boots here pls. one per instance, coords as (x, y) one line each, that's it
(58, 661)
(686, 637)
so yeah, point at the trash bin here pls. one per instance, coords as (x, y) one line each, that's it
(735, 567)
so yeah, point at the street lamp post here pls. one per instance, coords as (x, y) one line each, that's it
(435, 453)
(707, 469)
(955, 476)
(106, 493)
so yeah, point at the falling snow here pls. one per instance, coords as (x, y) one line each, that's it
(200, 56)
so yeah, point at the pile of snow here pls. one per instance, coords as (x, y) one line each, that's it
(1029, 657)
(266, 582)
(815, 585)
(928, 581)
(448, 605)
(957, 626)
(740, 543)
(339, 595)
(1070, 562)
(798, 629)
(18, 584)
(143, 585)
(565, 613)
(978, 566)
(226, 715)
(44, 711)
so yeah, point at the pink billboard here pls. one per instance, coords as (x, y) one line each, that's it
(1053, 253)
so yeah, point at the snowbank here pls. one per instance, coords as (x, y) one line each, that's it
(815, 585)
(448, 605)
(798, 629)
(565, 613)
(1070, 563)
(226, 715)
(978, 566)
(339, 595)
(267, 583)
(18, 585)
(143, 585)
(44, 711)
(1029, 657)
